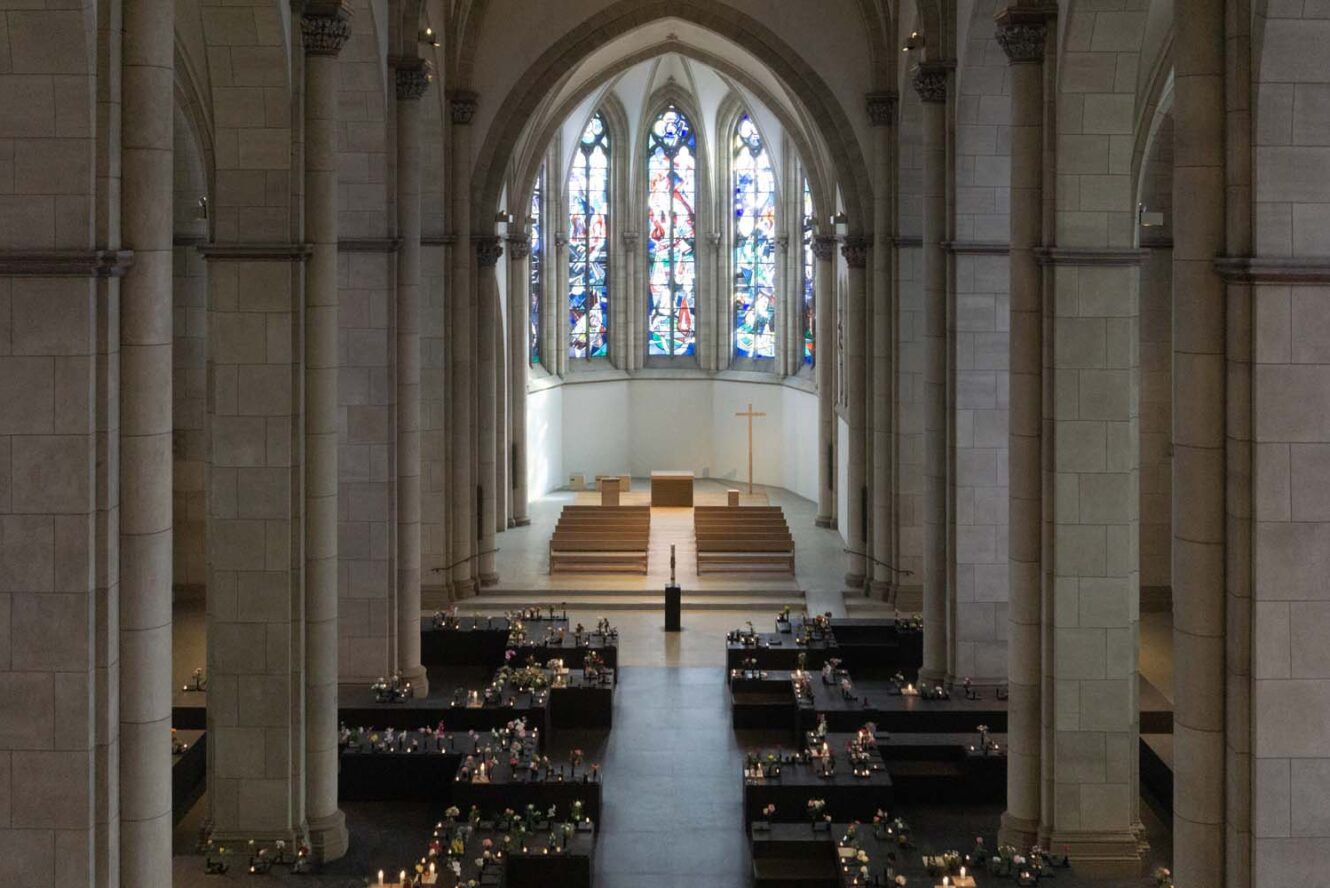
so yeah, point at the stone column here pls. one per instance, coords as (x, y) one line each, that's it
(412, 81)
(519, 359)
(488, 251)
(1022, 37)
(145, 446)
(501, 460)
(325, 27)
(824, 367)
(930, 81)
(462, 107)
(855, 250)
(1199, 301)
(882, 116)
(635, 294)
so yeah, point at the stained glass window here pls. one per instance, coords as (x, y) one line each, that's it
(537, 282)
(754, 244)
(671, 266)
(810, 331)
(588, 243)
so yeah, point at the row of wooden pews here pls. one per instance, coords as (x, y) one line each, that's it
(743, 538)
(601, 539)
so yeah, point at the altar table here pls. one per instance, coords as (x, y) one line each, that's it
(671, 488)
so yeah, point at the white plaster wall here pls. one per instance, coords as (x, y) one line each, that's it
(544, 441)
(642, 425)
(842, 476)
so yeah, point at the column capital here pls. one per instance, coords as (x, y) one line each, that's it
(325, 26)
(413, 77)
(824, 248)
(713, 238)
(855, 251)
(518, 247)
(488, 250)
(881, 108)
(930, 81)
(783, 241)
(630, 237)
(462, 106)
(1021, 33)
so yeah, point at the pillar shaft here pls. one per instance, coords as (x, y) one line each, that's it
(145, 445)
(325, 27)
(519, 358)
(488, 251)
(824, 306)
(1198, 576)
(931, 83)
(462, 107)
(882, 114)
(855, 250)
(412, 81)
(1024, 43)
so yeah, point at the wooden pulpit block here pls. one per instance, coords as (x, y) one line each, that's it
(609, 491)
(732, 498)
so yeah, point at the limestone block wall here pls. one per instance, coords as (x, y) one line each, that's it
(981, 216)
(189, 412)
(189, 364)
(255, 600)
(362, 134)
(1291, 429)
(1156, 422)
(59, 719)
(910, 358)
(366, 464)
(49, 601)
(981, 355)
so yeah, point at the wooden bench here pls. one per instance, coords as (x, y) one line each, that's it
(742, 538)
(601, 539)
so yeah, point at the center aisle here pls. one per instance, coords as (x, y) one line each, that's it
(673, 798)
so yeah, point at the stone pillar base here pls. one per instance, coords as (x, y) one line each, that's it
(328, 838)
(489, 579)
(462, 589)
(1100, 855)
(854, 582)
(522, 522)
(879, 589)
(933, 677)
(419, 681)
(823, 521)
(1018, 832)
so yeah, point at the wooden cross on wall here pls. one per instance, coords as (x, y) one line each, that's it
(750, 414)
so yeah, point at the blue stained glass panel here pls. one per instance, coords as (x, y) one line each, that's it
(537, 280)
(754, 244)
(810, 331)
(588, 243)
(671, 238)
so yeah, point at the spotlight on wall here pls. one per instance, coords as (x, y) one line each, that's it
(1149, 218)
(428, 36)
(840, 224)
(913, 42)
(504, 216)
(201, 208)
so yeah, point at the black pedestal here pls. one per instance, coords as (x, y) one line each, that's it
(673, 606)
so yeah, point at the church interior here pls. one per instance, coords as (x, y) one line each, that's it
(647, 443)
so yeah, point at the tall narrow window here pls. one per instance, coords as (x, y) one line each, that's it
(754, 244)
(537, 282)
(672, 188)
(810, 331)
(588, 243)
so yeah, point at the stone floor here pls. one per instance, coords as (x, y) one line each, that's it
(672, 802)
(523, 557)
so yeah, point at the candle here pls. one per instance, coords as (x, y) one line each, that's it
(380, 877)
(401, 877)
(963, 868)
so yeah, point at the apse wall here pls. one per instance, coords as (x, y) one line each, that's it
(544, 441)
(640, 425)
